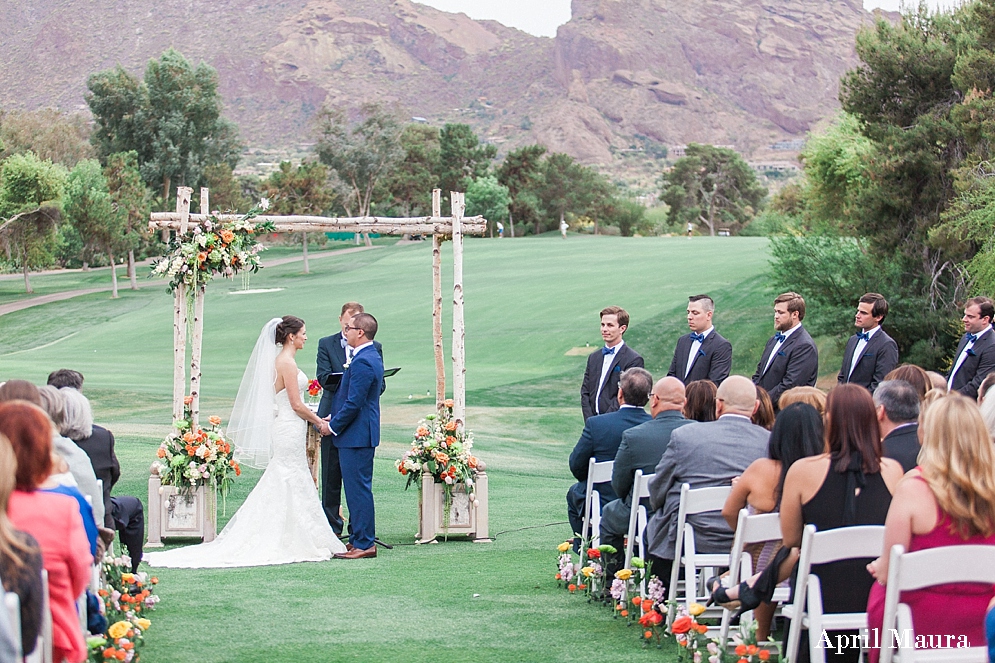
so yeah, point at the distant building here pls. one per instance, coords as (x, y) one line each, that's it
(419, 120)
(789, 145)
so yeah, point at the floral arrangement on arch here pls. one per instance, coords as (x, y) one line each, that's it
(442, 447)
(218, 248)
(124, 598)
(191, 456)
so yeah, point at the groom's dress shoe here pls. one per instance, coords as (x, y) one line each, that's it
(349, 547)
(356, 553)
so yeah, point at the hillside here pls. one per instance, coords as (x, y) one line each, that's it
(618, 77)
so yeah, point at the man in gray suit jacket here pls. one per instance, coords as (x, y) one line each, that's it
(641, 449)
(704, 455)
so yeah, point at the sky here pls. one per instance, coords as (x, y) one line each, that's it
(542, 17)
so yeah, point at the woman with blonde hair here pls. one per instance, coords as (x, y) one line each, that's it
(948, 500)
(811, 395)
(20, 556)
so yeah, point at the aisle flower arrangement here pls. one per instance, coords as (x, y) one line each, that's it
(125, 597)
(192, 456)
(217, 248)
(442, 447)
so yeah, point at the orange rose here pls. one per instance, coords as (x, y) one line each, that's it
(121, 655)
(227, 236)
(701, 628)
(449, 403)
(472, 462)
(161, 453)
(238, 473)
(637, 601)
(450, 440)
(572, 587)
(581, 586)
(647, 604)
(451, 425)
(740, 650)
(109, 652)
(751, 649)
(763, 655)
(202, 256)
(558, 576)
(625, 613)
(682, 625)
(154, 580)
(214, 421)
(187, 400)
(421, 432)
(647, 634)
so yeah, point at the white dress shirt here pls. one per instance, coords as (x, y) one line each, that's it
(606, 364)
(777, 346)
(963, 355)
(695, 346)
(859, 349)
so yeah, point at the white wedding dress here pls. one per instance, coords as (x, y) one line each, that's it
(281, 521)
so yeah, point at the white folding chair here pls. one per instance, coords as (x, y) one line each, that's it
(596, 473)
(758, 528)
(694, 501)
(928, 568)
(805, 611)
(13, 605)
(43, 649)
(637, 521)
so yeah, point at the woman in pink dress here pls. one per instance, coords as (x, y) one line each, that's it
(53, 520)
(948, 500)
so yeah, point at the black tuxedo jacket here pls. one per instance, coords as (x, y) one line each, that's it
(902, 444)
(331, 359)
(713, 361)
(879, 358)
(979, 362)
(99, 447)
(796, 365)
(607, 399)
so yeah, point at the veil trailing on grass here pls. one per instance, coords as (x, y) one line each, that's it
(252, 417)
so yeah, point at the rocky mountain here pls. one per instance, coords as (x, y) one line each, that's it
(621, 75)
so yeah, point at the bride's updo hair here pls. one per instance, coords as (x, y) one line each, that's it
(290, 324)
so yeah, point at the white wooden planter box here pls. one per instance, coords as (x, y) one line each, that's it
(171, 514)
(465, 518)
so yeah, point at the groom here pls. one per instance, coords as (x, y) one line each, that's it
(356, 431)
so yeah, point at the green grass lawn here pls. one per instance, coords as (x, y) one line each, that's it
(528, 302)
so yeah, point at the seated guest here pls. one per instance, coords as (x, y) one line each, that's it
(797, 434)
(700, 404)
(20, 556)
(897, 405)
(53, 402)
(937, 381)
(61, 481)
(948, 500)
(764, 416)
(811, 395)
(988, 414)
(53, 520)
(641, 449)
(704, 455)
(65, 377)
(95, 441)
(915, 376)
(601, 438)
(986, 384)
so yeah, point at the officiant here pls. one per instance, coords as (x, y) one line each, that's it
(332, 359)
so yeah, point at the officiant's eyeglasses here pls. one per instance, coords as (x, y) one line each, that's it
(348, 327)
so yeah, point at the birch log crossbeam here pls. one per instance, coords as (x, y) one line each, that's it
(418, 225)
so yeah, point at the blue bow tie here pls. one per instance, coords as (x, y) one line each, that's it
(608, 351)
(697, 337)
(779, 337)
(971, 338)
(863, 336)
(343, 341)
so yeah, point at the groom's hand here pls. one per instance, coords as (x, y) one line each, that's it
(324, 429)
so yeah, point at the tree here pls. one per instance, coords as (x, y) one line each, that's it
(567, 186)
(521, 172)
(59, 137)
(361, 154)
(171, 119)
(30, 208)
(625, 213)
(302, 190)
(409, 185)
(462, 158)
(227, 191)
(88, 207)
(711, 186)
(488, 198)
(130, 200)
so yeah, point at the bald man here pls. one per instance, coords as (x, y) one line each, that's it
(641, 448)
(704, 455)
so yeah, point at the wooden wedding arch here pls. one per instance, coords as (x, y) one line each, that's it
(441, 228)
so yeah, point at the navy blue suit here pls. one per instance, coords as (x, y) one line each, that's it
(356, 429)
(979, 362)
(880, 356)
(796, 365)
(600, 440)
(331, 359)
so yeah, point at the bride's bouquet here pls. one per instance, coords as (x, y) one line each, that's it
(192, 456)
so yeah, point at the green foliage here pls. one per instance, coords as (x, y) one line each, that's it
(567, 186)
(409, 185)
(836, 169)
(462, 158)
(521, 172)
(50, 134)
(713, 187)
(302, 190)
(131, 200)
(30, 205)
(628, 215)
(89, 209)
(488, 198)
(772, 223)
(227, 192)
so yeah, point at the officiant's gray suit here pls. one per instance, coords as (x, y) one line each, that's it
(703, 455)
(641, 449)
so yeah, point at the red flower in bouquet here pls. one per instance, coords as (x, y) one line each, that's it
(313, 388)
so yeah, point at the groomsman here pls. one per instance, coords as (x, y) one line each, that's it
(790, 358)
(703, 354)
(975, 357)
(604, 368)
(870, 353)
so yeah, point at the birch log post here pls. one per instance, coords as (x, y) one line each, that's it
(459, 332)
(196, 346)
(183, 194)
(205, 200)
(179, 349)
(440, 361)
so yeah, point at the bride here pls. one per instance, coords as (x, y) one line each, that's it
(281, 521)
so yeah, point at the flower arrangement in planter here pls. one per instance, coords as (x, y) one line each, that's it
(191, 456)
(218, 248)
(442, 447)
